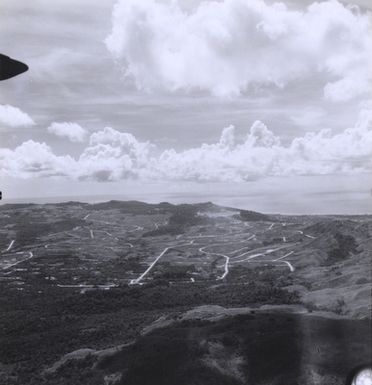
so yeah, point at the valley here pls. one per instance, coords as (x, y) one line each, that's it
(97, 275)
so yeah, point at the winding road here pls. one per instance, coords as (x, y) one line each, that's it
(30, 255)
(10, 245)
(143, 275)
(227, 259)
(226, 267)
(291, 268)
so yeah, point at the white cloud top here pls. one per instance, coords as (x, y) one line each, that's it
(69, 130)
(33, 159)
(112, 155)
(228, 46)
(261, 154)
(14, 117)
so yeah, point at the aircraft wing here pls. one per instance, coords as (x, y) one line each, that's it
(10, 67)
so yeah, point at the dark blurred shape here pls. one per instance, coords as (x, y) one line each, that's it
(10, 67)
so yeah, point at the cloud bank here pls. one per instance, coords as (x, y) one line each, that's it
(261, 154)
(226, 47)
(69, 130)
(14, 117)
(112, 155)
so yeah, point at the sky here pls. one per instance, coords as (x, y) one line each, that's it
(265, 105)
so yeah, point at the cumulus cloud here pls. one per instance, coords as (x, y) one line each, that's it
(72, 131)
(112, 155)
(227, 46)
(261, 154)
(14, 117)
(34, 159)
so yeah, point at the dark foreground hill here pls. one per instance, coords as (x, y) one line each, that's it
(266, 348)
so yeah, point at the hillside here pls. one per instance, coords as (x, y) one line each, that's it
(83, 278)
(233, 350)
(252, 216)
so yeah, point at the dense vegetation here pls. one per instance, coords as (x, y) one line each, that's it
(252, 216)
(345, 246)
(231, 352)
(28, 231)
(182, 217)
(30, 320)
(40, 322)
